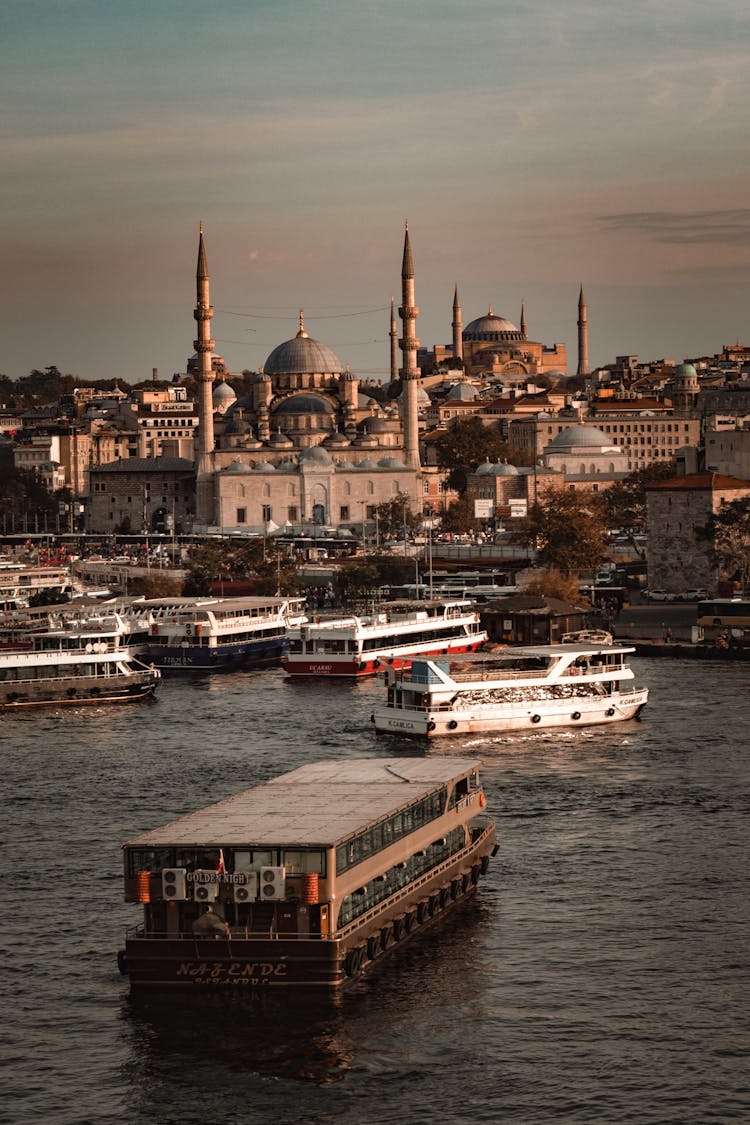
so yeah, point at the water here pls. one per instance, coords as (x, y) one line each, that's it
(601, 974)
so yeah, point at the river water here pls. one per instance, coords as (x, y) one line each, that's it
(601, 974)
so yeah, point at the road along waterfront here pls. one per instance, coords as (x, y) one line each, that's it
(600, 975)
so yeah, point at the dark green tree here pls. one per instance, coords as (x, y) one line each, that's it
(567, 529)
(467, 444)
(395, 515)
(625, 500)
(729, 529)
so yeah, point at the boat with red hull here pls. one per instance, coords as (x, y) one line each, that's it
(398, 632)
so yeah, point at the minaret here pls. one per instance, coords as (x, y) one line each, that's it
(393, 336)
(204, 346)
(457, 324)
(409, 370)
(583, 335)
(523, 321)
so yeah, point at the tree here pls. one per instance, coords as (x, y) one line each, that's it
(395, 516)
(729, 528)
(467, 444)
(553, 584)
(459, 517)
(625, 500)
(567, 529)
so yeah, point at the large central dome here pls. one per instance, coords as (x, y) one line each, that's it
(491, 329)
(302, 356)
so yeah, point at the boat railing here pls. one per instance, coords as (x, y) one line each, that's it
(449, 705)
(482, 830)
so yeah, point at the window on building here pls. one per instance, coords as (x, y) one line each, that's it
(266, 513)
(291, 513)
(242, 515)
(344, 512)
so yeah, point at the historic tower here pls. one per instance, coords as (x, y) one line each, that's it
(409, 370)
(583, 335)
(204, 346)
(393, 337)
(522, 326)
(458, 327)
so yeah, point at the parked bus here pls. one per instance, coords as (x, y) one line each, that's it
(728, 618)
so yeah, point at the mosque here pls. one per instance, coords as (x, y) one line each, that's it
(305, 446)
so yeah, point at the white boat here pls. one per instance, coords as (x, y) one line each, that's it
(399, 632)
(529, 688)
(19, 583)
(207, 634)
(86, 663)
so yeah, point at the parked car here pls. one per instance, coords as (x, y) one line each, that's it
(659, 595)
(694, 594)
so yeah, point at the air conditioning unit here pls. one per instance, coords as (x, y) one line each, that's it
(272, 884)
(205, 886)
(174, 884)
(247, 891)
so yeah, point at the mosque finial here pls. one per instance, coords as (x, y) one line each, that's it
(301, 334)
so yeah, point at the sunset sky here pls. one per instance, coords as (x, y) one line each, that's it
(532, 145)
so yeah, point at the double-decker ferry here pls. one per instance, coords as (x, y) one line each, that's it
(85, 663)
(208, 634)
(563, 685)
(400, 631)
(307, 879)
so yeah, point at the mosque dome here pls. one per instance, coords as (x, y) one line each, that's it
(491, 329)
(461, 392)
(223, 395)
(315, 455)
(279, 440)
(391, 463)
(238, 426)
(304, 404)
(302, 355)
(336, 440)
(497, 469)
(577, 437)
(264, 467)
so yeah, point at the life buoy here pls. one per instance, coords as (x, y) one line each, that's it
(536, 718)
(482, 801)
(452, 724)
(431, 725)
(576, 715)
(609, 712)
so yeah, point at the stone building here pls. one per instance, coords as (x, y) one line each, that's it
(142, 495)
(680, 555)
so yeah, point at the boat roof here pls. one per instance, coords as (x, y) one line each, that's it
(317, 805)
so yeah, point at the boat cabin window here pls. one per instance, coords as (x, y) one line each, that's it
(385, 832)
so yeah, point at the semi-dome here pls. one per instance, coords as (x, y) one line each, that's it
(391, 463)
(302, 355)
(491, 328)
(576, 437)
(461, 392)
(315, 455)
(264, 467)
(304, 404)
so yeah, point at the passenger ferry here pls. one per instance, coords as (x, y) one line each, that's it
(566, 685)
(355, 646)
(86, 663)
(307, 879)
(208, 634)
(19, 583)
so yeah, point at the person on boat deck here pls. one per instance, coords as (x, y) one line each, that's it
(209, 924)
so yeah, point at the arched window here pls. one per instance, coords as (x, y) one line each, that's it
(370, 488)
(292, 489)
(583, 469)
(395, 488)
(266, 490)
(347, 488)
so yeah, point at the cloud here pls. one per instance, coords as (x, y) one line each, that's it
(682, 227)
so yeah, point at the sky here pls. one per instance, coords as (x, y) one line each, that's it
(531, 145)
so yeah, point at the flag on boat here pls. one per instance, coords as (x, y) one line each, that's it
(220, 867)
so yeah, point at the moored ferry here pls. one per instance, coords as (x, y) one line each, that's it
(208, 634)
(526, 688)
(399, 632)
(307, 879)
(86, 663)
